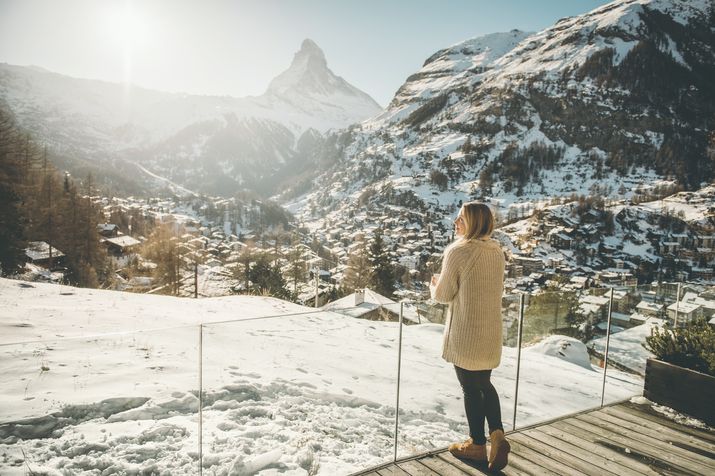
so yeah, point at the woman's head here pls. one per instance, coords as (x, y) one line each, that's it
(475, 220)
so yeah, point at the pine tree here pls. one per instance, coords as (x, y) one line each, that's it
(358, 273)
(163, 248)
(383, 273)
(12, 236)
(296, 263)
(267, 279)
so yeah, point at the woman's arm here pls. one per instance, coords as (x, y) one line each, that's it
(447, 284)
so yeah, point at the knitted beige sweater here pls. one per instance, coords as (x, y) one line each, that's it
(472, 282)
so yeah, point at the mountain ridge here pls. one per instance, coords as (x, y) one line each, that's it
(593, 104)
(94, 121)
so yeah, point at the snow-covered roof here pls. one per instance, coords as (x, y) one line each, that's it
(649, 306)
(684, 307)
(39, 250)
(123, 241)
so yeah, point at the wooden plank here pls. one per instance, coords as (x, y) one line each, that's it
(588, 462)
(546, 463)
(442, 467)
(463, 466)
(629, 445)
(645, 411)
(601, 439)
(525, 466)
(674, 437)
(620, 428)
(392, 470)
(478, 469)
(555, 456)
(584, 440)
(414, 468)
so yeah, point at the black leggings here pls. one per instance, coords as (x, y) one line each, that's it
(480, 401)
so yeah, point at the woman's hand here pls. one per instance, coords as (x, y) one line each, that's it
(435, 278)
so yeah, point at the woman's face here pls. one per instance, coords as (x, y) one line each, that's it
(459, 224)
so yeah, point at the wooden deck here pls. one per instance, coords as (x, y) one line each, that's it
(623, 439)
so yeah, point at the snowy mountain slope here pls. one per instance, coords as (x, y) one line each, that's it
(296, 394)
(601, 103)
(98, 120)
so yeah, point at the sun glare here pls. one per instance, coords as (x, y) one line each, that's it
(128, 29)
(126, 25)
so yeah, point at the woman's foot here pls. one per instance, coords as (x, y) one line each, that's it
(499, 450)
(468, 450)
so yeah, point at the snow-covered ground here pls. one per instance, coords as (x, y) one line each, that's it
(111, 382)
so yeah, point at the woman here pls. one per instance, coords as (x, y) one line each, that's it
(471, 283)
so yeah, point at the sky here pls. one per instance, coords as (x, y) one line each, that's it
(235, 48)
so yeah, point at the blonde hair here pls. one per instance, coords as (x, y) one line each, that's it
(478, 221)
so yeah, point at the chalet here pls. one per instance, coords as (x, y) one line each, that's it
(684, 311)
(107, 230)
(707, 304)
(680, 238)
(705, 241)
(669, 247)
(595, 307)
(579, 282)
(559, 239)
(702, 273)
(649, 309)
(121, 245)
(530, 265)
(38, 252)
(367, 304)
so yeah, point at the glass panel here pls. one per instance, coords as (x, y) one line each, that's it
(120, 404)
(636, 310)
(557, 377)
(311, 394)
(432, 411)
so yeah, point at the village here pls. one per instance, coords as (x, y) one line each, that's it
(554, 252)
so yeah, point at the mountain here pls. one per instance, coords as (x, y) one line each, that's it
(220, 143)
(600, 103)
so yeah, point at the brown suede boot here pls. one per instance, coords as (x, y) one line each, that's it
(498, 451)
(468, 450)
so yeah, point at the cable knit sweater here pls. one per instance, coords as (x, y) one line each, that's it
(472, 282)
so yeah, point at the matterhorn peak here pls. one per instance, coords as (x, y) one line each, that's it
(310, 51)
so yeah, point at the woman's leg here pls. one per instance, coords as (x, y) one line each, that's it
(480, 401)
(473, 404)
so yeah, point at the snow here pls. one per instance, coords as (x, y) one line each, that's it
(111, 381)
(626, 347)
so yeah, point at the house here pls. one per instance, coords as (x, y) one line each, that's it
(38, 252)
(702, 273)
(529, 265)
(683, 312)
(559, 239)
(107, 229)
(121, 245)
(594, 307)
(367, 304)
(649, 309)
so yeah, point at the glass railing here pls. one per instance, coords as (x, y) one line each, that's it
(307, 393)
(318, 392)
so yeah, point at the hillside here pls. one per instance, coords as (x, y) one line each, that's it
(602, 103)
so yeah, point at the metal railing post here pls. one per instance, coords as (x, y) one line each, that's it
(608, 341)
(399, 366)
(201, 398)
(518, 358)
